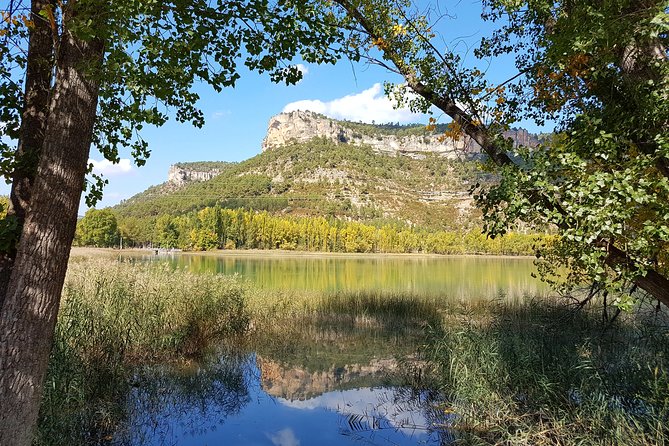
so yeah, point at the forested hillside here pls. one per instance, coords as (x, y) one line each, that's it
(323, 178)
(328, 193)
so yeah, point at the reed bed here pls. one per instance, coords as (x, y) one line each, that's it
(345, 309)
(115, 317)
(542, 374)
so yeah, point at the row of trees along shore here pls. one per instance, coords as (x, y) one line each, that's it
(220, 228)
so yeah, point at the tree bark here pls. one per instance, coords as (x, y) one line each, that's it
(39, 71)
(28, 316)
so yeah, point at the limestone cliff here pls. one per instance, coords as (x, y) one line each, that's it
(301, 126)
(183, 173)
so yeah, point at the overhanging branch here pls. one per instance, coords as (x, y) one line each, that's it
(651, 281)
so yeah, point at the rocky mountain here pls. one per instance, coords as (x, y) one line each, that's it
(323, 178)
(410, 140)
(181, 174)
(315, 166)
(414, 141)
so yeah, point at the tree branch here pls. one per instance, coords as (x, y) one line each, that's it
(652, 282)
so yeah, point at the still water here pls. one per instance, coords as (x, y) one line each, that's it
(322, 384)
(235, 402)
(459, 278)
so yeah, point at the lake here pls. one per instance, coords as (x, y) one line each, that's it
(452, 277)
(325, 381)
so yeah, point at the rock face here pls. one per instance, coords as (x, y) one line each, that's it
(296, 383)
(522, 137)
(301, 126)
(180, 175)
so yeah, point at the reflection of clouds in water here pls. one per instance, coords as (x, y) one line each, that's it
(284, 437)
(371, 403)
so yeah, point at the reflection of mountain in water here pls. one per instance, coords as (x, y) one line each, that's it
(168, 402)
(368, 409)
(248, 400)
(296, 383)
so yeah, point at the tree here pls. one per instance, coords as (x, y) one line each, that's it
(204, 235)
(600, 70)
(98, 228)
(166, 234)
(95, 72)
(132, 232)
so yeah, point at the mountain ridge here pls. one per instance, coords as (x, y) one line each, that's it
(414, 140)
(324, 176)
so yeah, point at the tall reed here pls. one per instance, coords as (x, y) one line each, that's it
(115, 316)
(541, 374)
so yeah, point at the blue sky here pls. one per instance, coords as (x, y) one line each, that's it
(236, 119)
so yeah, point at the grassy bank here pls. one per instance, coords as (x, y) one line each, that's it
(512, 373)
(115, 317)
(542, 374)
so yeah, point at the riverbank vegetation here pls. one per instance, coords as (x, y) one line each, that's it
(542, 373)
(220, 228)
(509, 372)
(116, 317)
(213, 228)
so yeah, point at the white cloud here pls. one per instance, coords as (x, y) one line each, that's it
(106, 167)
(366, 106)
(373, 403)
(285, 437)
(303, 69)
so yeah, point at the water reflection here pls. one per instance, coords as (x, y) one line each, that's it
(458, 278)
(168, 404)
(293, 383)
(235, 401)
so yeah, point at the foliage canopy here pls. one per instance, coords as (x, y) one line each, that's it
(600, 71)
(155, 52)
(98, 228)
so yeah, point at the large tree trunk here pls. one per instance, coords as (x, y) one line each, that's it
(39, 71)
(28, 316)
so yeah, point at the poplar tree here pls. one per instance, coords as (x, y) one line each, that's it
(79, 73)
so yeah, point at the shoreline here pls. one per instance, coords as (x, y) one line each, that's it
(279, 253)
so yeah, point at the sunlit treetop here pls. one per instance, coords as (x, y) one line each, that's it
(156, 51)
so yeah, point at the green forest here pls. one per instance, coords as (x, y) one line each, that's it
(332, 180)
(220, 228)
